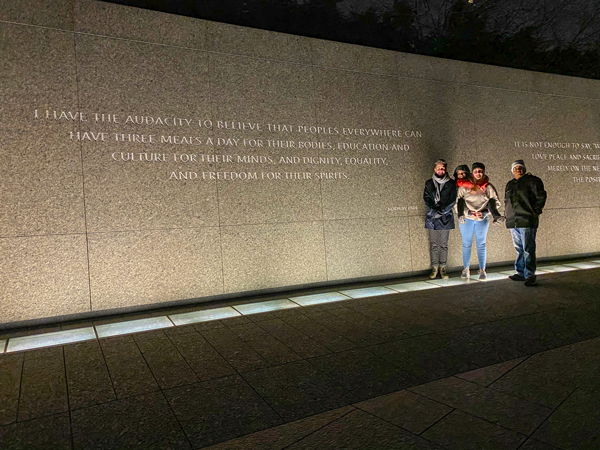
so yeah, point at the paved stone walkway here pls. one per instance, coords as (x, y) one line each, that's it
(478, 366)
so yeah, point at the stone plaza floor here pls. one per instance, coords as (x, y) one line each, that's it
(411, 365)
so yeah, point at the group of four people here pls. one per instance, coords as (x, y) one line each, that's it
(475, 201)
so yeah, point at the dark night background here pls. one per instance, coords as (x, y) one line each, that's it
(557, 36)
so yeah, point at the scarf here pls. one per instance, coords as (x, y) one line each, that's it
(439, 184)
(481, 184)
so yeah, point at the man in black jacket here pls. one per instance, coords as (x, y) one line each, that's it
(524, 199)
(439, 197)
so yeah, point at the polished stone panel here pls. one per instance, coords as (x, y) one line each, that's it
(236, 40)
(136, 24)
(431, 68)
(265, 256)
(354, 57)
(164, 229)
(500, 77)
(42, 182)
(137, 194)
(45, 13)
(366, 247)
(354, 104)
(43, 276)
(580, 227)
(267, 92)
(39, 74)
(551, 83)
(189, 259)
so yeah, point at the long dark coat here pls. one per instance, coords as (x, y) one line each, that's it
(439, 216)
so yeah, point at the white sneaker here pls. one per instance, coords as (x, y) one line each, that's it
(466, 274)
(482, 274)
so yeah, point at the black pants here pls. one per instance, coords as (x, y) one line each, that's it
(438, 247)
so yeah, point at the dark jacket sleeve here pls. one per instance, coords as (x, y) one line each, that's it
(540, 196)
(493, 207)
(428, 196)
(451, 199)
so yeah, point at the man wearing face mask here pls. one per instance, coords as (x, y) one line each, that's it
(524, 199)
(439, 197)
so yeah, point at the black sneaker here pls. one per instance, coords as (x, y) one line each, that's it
(517, 277)
(531, 281)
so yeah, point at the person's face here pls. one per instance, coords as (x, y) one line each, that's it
(440, 170)
(478, 173)
(518, 172)
(461, 174)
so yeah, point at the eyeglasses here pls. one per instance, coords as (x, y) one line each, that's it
(478, 171)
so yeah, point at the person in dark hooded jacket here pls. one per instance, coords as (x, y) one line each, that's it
(439, 197)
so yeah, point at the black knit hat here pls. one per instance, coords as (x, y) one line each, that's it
(462, 167)
(478, 165)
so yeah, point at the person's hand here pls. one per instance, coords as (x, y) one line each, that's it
(499, 219)
(462, 220)
(477, 214)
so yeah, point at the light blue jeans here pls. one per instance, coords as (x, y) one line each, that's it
(479, 228)
(524, 243)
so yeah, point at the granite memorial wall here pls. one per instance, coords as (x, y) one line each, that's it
(150, 158)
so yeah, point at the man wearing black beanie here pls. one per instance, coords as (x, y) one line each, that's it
(524, 199)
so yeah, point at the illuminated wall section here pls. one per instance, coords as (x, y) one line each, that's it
(150, 158)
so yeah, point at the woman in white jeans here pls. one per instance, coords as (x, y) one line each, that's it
(477, 201)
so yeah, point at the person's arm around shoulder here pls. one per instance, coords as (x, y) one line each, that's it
(460, 204)
(494, 203)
